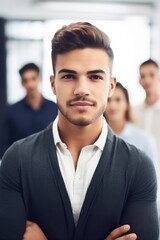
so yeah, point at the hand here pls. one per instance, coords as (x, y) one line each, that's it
(118, 232)
(33, 232)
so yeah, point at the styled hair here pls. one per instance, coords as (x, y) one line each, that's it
(79, 35)
(148, 62)
(129, 114)
(27, 67)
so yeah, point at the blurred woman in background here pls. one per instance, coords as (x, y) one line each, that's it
(121, 120)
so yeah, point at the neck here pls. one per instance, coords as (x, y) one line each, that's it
(35, 100)
(117, 126)
(152, 98)
(77, 137)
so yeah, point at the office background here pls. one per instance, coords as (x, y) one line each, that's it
(27, 27)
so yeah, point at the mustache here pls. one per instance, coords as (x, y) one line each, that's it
(81, 98)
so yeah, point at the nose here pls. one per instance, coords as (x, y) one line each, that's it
(29, 83)
(147, 80)
(82, 88)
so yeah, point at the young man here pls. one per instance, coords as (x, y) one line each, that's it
(75, 179)
(31, 114)
(148, 113)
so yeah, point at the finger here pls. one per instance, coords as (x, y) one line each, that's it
(29, 223)
(118, 232)
(131, 236)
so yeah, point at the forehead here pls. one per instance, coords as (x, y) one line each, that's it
(83, 59)
(118, 92)
(149, 68)
(29, 73)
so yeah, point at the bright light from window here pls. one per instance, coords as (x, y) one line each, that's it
(130, 40)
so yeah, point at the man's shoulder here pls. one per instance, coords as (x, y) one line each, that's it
(36, 137)
(129, 154)
(134, 162)
(16, 106)
(49, 102)
(34, 143)
(30, 151)
(122, 149)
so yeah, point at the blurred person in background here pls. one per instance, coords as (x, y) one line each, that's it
(148, 112)
(31, 114)
(121, 120)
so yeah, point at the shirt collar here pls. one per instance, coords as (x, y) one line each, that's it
(43, 103)
(100, 142)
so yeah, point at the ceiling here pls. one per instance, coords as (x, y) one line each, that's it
(51, 9)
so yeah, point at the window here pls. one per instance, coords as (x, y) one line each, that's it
(30, 41)
(24, 44)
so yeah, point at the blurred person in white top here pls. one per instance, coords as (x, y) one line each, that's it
(148, 112)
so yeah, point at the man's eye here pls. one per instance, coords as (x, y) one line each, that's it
(142, 76)
(151, 75)
(68, 76)
(95, 77)
(118, 99)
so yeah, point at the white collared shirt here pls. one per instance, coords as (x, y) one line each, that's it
(77, 181)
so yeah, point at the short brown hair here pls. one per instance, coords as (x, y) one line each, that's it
(149, 62)
(28, 67)
(79, 35)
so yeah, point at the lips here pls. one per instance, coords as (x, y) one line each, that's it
(79, 103)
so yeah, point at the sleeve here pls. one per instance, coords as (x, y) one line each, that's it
(12, 209)
(140, 211)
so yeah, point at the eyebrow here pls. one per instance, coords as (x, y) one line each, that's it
(96, 71)
(67, 71)
(74, 72)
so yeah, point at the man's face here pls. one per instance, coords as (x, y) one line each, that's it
(82, 84)
(149, 78)
(31, 81)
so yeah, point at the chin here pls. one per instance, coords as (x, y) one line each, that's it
(80, 122)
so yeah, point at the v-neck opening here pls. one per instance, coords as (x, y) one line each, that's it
(76, 232)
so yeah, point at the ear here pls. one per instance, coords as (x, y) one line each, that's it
(113, 82)
(52, 81)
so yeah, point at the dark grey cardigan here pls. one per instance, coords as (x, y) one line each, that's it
(122, 190)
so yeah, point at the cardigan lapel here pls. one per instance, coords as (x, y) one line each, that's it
(94, 187)
(61, 186)
(102, 168)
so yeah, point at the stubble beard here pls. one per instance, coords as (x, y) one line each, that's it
(81, 122)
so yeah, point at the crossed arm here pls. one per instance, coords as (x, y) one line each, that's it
(33, 231)
(140, 211)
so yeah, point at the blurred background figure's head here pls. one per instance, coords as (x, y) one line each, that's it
(118, 108)
(31, 79)
(149, 76)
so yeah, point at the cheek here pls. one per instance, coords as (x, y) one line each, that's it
(123, 109)
(62, 94)
(155, 82)
(119, 107)
(142, 81)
